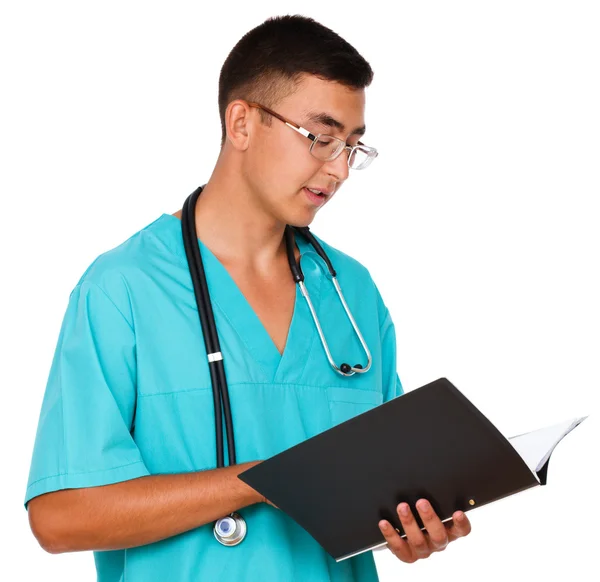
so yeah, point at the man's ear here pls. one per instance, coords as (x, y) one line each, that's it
(238, 124)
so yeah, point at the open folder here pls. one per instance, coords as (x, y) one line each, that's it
(431, 442)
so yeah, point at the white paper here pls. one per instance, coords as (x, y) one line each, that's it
(535, 447)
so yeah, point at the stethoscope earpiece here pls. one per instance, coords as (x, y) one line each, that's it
(348, 370)
(230, 530)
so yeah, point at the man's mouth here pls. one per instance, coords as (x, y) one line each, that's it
(315, 196)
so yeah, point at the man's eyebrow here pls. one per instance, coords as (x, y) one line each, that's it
(326, 119)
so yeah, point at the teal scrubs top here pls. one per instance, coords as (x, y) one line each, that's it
(129, 394)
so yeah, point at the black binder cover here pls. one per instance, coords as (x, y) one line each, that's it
(431, 442)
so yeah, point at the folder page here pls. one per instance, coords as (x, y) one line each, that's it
(535, 447)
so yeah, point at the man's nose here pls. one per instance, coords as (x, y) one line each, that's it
(339, 167)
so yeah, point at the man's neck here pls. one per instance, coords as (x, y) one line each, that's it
(232, 224)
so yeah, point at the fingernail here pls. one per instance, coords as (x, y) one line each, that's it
(423, 506)
(404, 509)
(383, 525)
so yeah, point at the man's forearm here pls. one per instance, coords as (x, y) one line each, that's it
(139, 511)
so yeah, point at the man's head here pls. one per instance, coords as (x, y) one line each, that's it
(308, 75)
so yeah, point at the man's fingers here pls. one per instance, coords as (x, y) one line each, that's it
(415, 537)
(395, 543)
(459, 527)
(438, 535)
(421, 544)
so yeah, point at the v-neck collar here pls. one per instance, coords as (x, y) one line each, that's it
(227, 297)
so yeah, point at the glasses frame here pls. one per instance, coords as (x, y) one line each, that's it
(371, 152)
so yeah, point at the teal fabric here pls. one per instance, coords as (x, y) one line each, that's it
(129, 394)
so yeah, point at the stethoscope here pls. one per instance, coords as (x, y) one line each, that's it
(231, 530)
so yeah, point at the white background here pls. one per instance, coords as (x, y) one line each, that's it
(478, 221)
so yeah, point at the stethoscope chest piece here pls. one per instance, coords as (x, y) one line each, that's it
(230, 530)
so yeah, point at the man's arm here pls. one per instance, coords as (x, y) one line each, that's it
(138, 511)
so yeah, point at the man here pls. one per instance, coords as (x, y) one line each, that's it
(124, 456)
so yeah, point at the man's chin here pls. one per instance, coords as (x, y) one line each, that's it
(302, 219)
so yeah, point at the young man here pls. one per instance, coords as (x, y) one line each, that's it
(125, 451)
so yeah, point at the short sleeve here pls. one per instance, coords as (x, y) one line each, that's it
(84, 437)
(392, 386)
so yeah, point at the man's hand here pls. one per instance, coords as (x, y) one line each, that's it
(421, 544)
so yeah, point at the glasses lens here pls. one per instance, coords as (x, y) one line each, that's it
(360, 158)
(326, 147)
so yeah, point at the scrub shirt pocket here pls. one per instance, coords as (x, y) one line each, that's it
(345, 403)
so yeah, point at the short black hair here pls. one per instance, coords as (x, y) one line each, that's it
(268, 62)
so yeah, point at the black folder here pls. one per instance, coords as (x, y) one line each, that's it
(431, 442)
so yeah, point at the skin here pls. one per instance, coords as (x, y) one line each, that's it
(418, 544)
(256, 188)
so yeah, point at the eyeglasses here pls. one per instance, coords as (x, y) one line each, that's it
(327, 147)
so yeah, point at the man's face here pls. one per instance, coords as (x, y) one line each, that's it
(279, 165)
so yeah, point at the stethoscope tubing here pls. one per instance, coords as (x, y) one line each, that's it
(222, 407)
(209, 330)
(345, 369)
